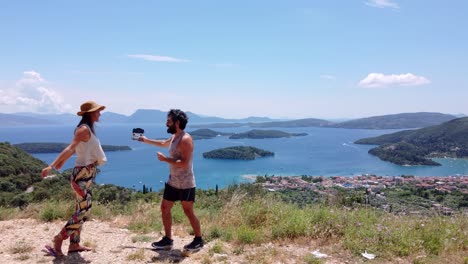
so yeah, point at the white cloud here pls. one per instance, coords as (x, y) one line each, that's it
(374, 80)
(382, 4)
(29, 94)
(156, 58)
(30, 78)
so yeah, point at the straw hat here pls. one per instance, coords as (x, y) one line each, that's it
(90, 106)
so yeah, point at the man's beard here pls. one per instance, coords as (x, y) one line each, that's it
(171, 129)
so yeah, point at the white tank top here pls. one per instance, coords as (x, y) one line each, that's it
(89, 152)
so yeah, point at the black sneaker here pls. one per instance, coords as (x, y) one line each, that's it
(164, 244)
(195, 245)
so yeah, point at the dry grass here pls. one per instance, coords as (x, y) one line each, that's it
(139, 255)
(20, 247)
(142, 238)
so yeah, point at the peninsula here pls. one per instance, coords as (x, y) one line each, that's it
(418, 147)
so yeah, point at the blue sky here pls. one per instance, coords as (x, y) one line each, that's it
(281, 59)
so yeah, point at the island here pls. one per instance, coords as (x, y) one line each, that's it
(53, 147)
(237, 153)
(260, 134)
(206, 134)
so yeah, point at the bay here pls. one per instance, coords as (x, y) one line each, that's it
(323, 152)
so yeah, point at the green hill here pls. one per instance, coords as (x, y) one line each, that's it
(259, 134)
(238, 153)
(21, 183)
(18, 171)
(397, 121)
(416, 147)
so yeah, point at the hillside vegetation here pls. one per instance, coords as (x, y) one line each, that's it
(18, 171)
(416, 147)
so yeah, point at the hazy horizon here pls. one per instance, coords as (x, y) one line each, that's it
(217, 116)
(282, 60)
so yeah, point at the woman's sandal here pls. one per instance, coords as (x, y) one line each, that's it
(51, 251)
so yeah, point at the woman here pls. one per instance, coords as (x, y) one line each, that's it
(89, 154)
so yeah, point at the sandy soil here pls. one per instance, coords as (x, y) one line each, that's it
(23, 240)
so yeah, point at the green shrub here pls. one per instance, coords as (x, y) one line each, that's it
(248, 235)
(294, 223)
(53, 210)
(21, 200)
(40, 195)
(6, 186)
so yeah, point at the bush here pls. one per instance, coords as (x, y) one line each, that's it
(247, 235)
(109, 193)
(20, 200)
(51, 211)
(40, 195)
(6, 186)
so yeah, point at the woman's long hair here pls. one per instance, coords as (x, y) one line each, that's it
(86, 119)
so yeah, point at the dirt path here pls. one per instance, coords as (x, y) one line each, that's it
(22, 241)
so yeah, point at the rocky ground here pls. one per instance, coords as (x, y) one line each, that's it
(23, 240)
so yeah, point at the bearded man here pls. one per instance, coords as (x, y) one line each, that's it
(181, 183)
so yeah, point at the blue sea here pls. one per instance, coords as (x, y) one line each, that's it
(324, 151)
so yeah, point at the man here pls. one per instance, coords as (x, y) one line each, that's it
(181, 183)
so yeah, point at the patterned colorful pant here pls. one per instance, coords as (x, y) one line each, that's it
(81, 180)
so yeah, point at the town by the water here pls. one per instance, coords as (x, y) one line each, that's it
(401, 194)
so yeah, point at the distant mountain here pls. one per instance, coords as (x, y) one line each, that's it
(19, 120)
(416, 147)
(159, 117)
(307, 122)
(219, 125)
(397, 121)
(141, 116)
(255, 119)
(110, 118)
(260, 134)
(144, 116)
(54, 118)
(148, 116)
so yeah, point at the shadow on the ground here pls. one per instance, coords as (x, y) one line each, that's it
(71, 258)
(172, 256)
